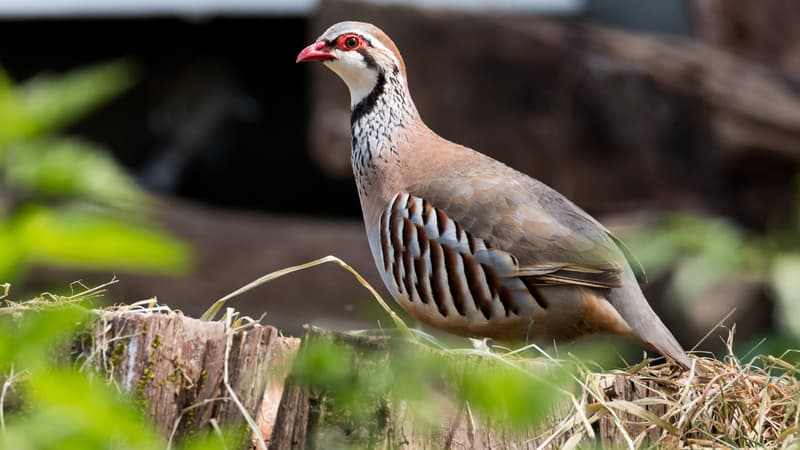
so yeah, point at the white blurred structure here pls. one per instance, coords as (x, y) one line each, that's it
(66, 8)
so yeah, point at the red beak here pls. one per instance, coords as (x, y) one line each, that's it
(314, 52)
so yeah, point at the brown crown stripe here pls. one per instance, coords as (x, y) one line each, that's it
(384, 242)
(454, 279)
(476, 282)
(437, 278)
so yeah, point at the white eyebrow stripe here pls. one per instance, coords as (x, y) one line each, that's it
(375, 42)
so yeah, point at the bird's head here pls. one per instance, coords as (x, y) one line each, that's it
(360, 53)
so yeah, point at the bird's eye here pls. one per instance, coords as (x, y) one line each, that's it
(350, 42)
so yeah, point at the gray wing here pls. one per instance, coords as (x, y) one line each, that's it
(554, 241)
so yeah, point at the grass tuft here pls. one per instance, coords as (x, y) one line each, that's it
(717, 404)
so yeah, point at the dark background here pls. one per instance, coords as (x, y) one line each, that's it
(248, 152)
(219, 101)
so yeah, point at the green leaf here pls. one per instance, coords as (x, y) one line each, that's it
(704, 251)
(210, 442)
(785, 278)
(69, 168)
(63, 409)
(324, 363)
(70, 411)
(28, 342)
(520, 397)
(50, 102)
(79, 238)
(6, 86)
(12, 254)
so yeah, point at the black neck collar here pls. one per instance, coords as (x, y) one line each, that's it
(367, 104)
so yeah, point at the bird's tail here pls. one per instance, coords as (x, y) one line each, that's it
(647, 327)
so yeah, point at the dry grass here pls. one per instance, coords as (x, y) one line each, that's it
(80, 295)
(716, 404)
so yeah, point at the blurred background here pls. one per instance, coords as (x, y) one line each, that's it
(176, 146)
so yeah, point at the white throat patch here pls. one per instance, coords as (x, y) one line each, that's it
(360, 79)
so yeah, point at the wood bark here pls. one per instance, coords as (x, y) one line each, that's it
(309, 418)
(283, 355)
(620, 387)
(174, 367)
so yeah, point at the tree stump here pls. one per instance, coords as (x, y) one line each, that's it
(621, 388)
(623, 411)
(174, 366)
(310, 417)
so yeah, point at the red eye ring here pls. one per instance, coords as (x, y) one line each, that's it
(349, 42)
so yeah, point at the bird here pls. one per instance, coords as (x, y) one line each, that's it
(465, 243)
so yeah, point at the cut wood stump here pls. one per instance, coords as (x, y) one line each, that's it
(174, 366)
(309, 417)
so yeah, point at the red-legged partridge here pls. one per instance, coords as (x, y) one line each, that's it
(465, 243)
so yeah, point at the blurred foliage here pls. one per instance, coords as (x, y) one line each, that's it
(361, 385)
(49, 402)
(64, 201)
(785, 279)
(703, 251)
